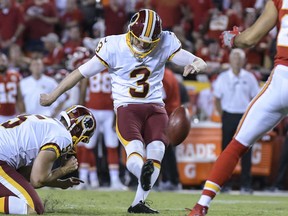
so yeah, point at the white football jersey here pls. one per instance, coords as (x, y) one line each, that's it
(136, 80)
(22, 138)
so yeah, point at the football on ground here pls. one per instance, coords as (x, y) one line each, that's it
(178, 126)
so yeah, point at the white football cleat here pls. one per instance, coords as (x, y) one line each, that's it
(94, 185)
(117, 185)
(82, 186)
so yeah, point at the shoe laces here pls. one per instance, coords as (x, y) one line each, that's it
(147, 202)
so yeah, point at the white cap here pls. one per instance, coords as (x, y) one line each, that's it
(51, 37)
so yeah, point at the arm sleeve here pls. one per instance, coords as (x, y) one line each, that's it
(91, 67)
(183, 58)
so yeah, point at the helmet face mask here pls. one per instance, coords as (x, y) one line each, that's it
(80, 123)
(140, 46)
(144, 32)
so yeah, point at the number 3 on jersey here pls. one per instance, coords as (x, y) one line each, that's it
(142, 85)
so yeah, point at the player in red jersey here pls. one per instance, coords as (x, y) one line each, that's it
(100, 103)
(97, 92)
(172, 99)
(11, 101)
(265, 111)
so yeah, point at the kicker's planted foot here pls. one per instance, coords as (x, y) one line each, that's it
(142, 208)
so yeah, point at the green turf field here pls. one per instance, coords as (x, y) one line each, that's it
(73, 202)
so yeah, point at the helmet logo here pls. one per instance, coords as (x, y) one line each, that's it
(88, 123)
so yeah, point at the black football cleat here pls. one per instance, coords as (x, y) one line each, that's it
(141, 208)
(146, 173)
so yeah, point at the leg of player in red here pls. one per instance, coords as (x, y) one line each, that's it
(87, 168)
(261, 116)
(220, 173)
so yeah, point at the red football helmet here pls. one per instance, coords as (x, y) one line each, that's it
(144, 32)
(80, 123)
(79, 56)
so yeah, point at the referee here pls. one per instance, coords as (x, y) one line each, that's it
(233, 90)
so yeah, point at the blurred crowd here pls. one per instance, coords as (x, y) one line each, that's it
(53, 29)
(40, 37)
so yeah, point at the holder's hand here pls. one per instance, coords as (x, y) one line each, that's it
(70, 165)
(69, 182)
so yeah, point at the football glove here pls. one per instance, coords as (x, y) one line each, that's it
(227, 37)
